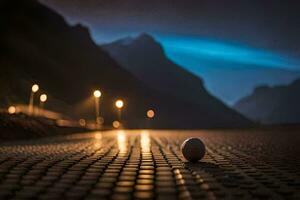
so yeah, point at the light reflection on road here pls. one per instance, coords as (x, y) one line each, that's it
(122, 141)
(145, 142)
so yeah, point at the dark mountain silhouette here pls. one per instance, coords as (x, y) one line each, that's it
(145, 58)
(37, 45)
(219, 78)
(272, 105)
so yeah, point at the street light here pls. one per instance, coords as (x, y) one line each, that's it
(12, 110)
(34, 89)
(43, 99)
(97, 95)
(119, 104)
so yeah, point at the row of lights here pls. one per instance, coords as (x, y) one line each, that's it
(43, 98)
(34, 89)
(119, 104)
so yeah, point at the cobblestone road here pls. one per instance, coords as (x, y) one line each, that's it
(144, 164)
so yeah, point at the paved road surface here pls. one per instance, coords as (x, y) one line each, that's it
(148, 165)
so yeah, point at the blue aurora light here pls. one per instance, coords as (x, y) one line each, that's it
(219, 50)
(230, 70)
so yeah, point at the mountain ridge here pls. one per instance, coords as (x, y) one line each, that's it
(157, 69)
(145, 58)
(272, 104)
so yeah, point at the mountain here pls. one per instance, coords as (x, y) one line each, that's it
(38, 46)
(272, 105)
(145, 58)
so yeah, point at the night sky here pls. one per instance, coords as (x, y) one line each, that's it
(202, 34)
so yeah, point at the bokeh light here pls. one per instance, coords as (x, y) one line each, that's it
(82, 122)
(150, 113)
(12, 110)
(35, 88)
(97, 93)
(43, 98)
(116, 124)
(100, 120)
(119, 104)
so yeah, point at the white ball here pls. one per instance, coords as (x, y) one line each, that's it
(193, 149)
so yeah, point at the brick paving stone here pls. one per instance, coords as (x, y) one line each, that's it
(148, 164)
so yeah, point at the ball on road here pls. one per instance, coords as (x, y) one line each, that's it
(193, 149)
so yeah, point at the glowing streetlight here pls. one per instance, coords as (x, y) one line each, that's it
(119, 104)
(97, 95)
(12, 110)
(34, 89)
(43, 99)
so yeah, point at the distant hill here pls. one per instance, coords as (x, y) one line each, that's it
(272, 105)
(222, 80)
(38, 46)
